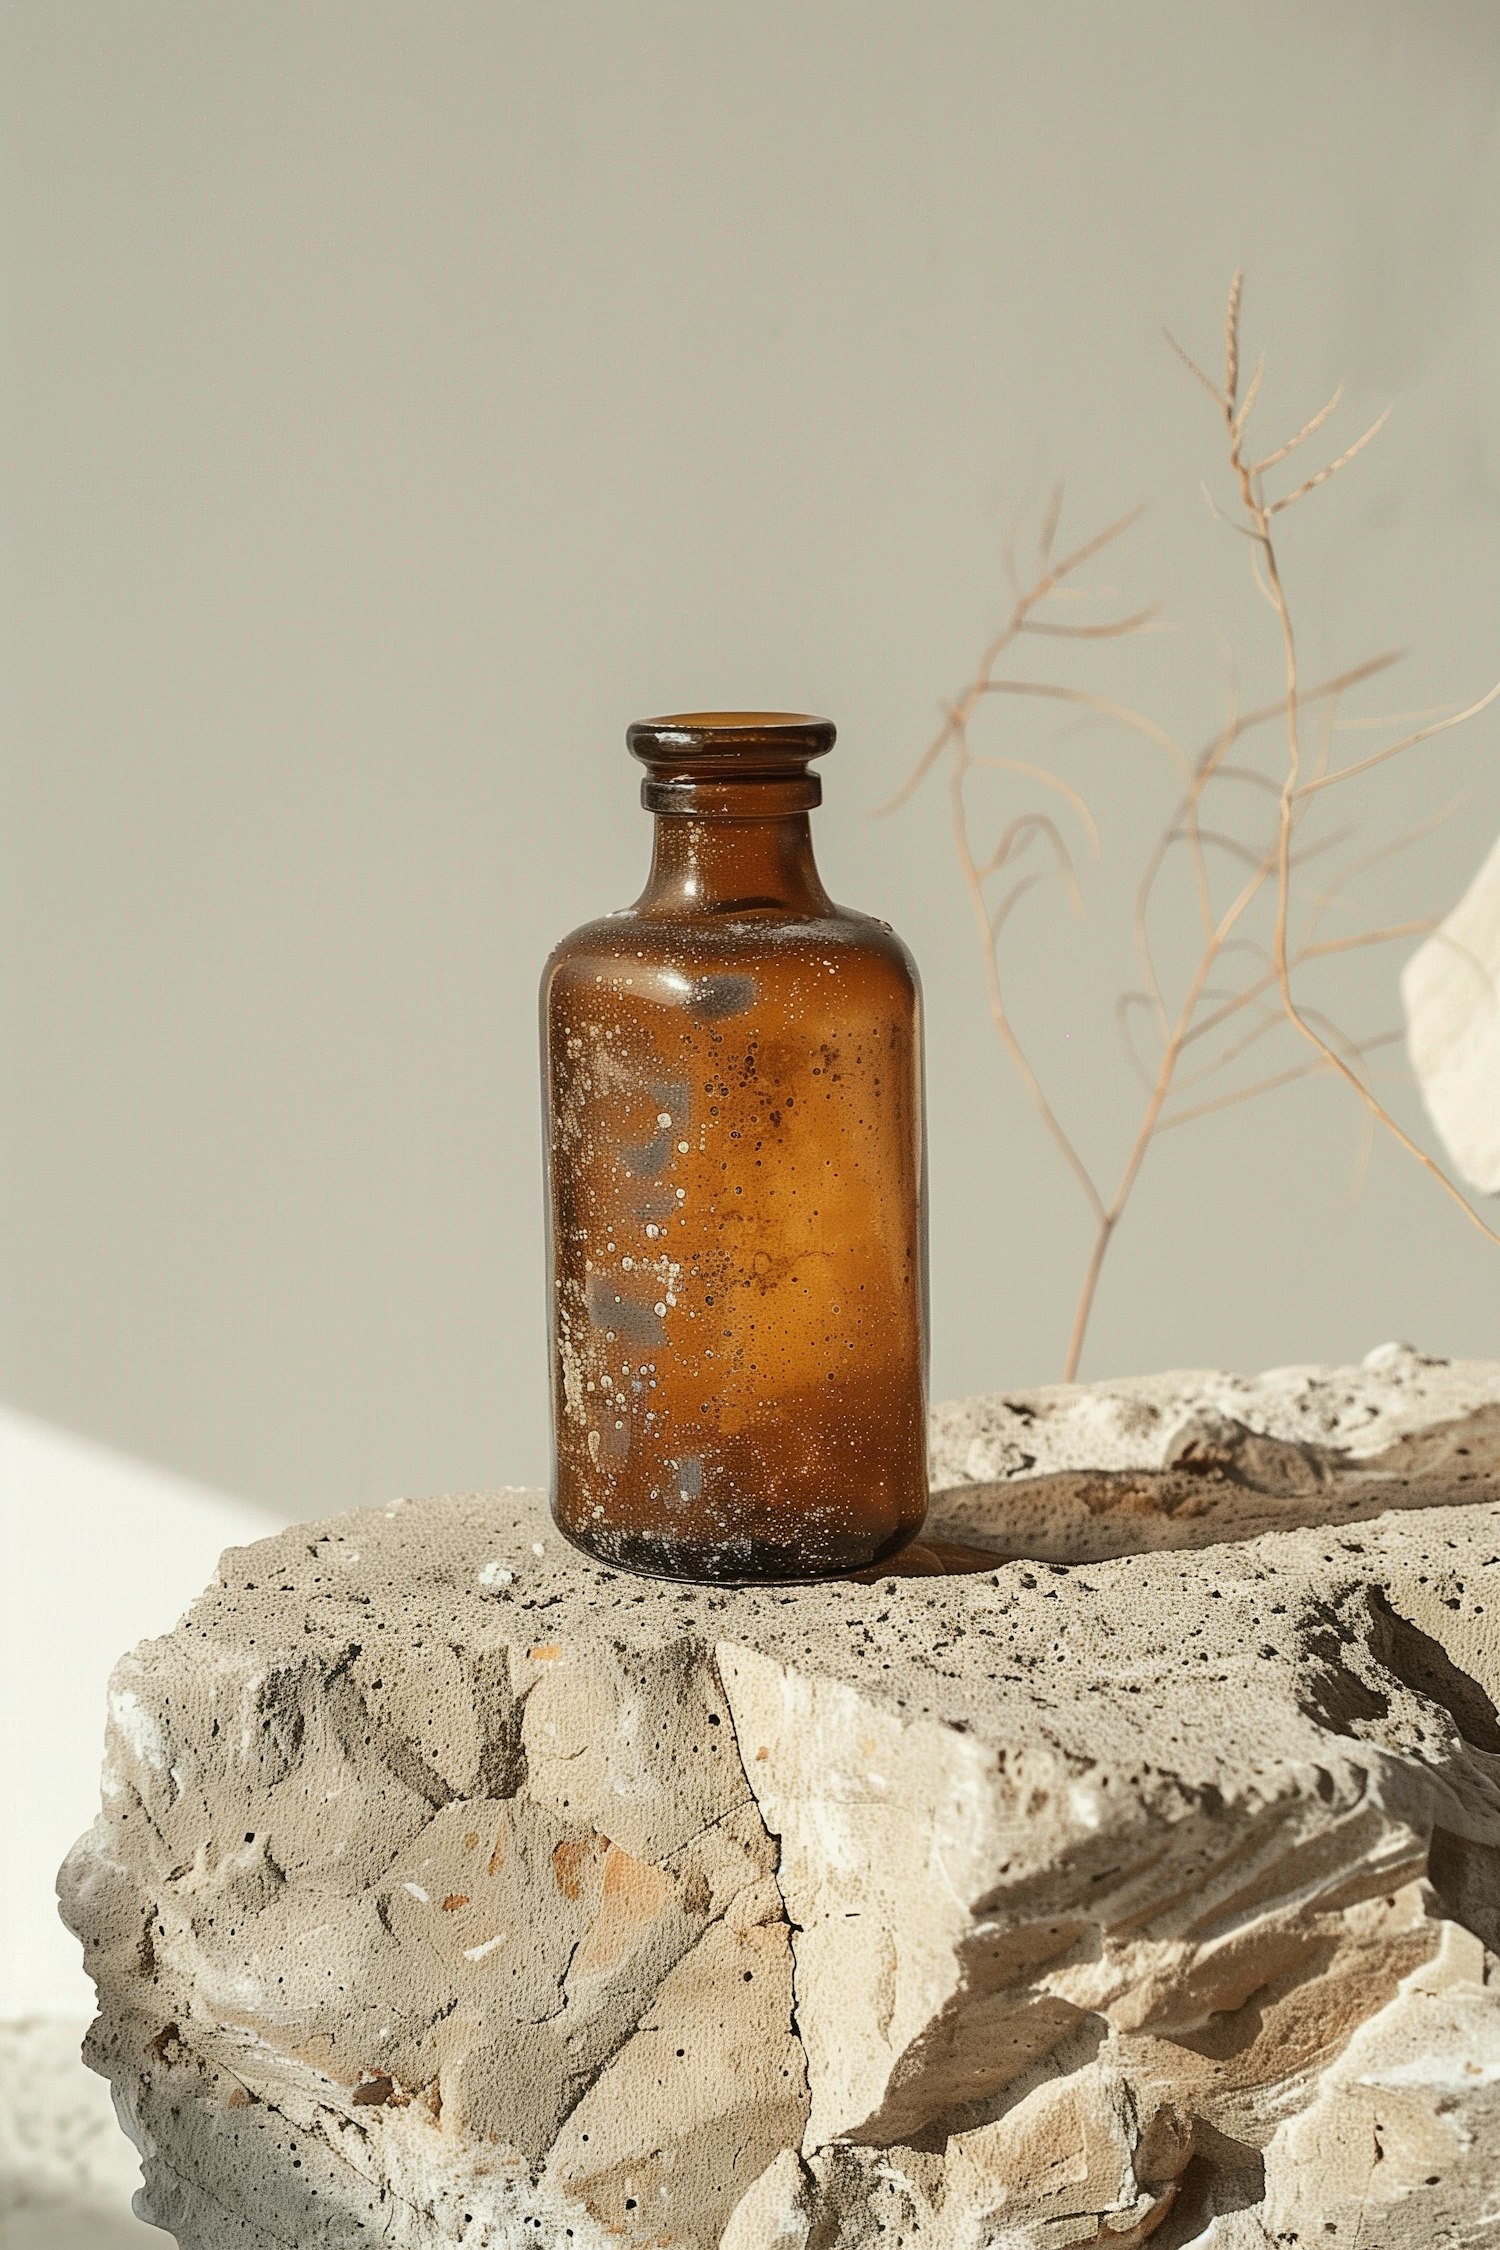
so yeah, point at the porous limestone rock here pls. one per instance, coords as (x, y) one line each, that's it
(1450, 989)
(1126, 1865)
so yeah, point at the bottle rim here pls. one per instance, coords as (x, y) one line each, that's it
(684, 740)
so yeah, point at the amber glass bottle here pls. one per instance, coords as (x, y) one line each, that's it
(734, 1146)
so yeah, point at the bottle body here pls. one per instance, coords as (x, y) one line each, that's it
(735, 1157)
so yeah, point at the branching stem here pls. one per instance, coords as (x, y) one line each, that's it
(1266, 867)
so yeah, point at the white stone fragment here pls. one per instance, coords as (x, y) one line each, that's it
(1451, 991)
(1126, 1857)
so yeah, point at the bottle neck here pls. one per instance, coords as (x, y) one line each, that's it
(740, 865)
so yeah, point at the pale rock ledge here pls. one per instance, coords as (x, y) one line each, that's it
(451, 1890)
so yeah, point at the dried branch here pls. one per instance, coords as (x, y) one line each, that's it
(1232, 340)
(1241, 984)
(1193, 368)
(1114, 630)
(1282, 452)
(1394, 749)
(1247, 404)
(1048, 585)
(999, 1014)
(1048, 781)
(1018, 835)
(1265, 1085)
(1321, 476)
(1135, 720)
(1258, 514)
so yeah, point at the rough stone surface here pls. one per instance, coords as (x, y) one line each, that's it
(1138, 1876)
(1451, 992)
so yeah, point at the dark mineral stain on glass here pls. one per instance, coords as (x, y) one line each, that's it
(734, 1145)
(619, 1315)
(717, 997)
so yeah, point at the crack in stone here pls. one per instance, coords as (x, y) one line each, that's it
(742, 1805)
(794, 1928)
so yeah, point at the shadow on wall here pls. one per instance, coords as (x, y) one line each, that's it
(67, 2172)
(101, 1551)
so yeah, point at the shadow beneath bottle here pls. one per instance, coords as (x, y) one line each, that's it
(1224, 1483)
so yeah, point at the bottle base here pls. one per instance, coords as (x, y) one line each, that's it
(749, 1562)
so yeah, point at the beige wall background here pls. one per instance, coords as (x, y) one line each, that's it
(403, 398)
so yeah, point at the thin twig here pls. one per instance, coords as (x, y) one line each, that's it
(1106, 708)
(1394, 749)
(1258, 513)
(1273, 460)
(1049, 781)
(1047, 585)
(999, 1014)
(1321, 476)
(1265, 1085)
(1208, 1003)
(1112, 631)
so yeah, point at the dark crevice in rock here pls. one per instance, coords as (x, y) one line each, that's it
(1222, 2176)
(1424, 1665)
(1331, 1691)
(1466, 1877)
(996, 2027)
(362, 1732)
(1082, 2039)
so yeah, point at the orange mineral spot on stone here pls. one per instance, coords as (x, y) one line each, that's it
(497, 1856)
(572, 1860)
(471, 1841)
(633, 1893)
(548, 1653)
(454, 1901)
(639, 1889)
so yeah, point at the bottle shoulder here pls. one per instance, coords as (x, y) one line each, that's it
(615, 941)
